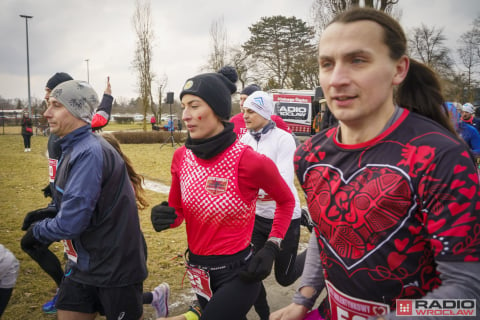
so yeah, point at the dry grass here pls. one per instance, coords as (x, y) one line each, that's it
(22, 177)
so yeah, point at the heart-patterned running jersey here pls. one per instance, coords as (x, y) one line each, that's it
(386, 209)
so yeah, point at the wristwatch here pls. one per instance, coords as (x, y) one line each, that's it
(277, 241)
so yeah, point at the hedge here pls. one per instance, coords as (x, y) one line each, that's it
(138, 137)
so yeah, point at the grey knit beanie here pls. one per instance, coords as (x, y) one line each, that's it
(78, 97)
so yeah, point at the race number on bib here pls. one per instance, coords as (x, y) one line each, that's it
(70, 250)
(345, 307)
(52, 169)
(200, 281)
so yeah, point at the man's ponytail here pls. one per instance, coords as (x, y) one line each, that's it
(421, 92)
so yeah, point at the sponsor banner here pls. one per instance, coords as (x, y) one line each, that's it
(299, 127)
(293, 111)
(292, 98)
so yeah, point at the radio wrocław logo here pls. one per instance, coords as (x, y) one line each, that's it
(436, 307)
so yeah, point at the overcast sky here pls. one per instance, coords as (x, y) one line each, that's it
(64, 33)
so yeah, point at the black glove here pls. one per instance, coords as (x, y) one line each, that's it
(37, 215)
(29, 240)
(162, 216)
(47, 191)
(261, 264)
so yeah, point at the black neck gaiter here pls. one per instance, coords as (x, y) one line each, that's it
(210, 147)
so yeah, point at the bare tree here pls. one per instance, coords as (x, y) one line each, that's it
(323, 11)
(469, 54)
(470, 60)
(427, 45)
(244, 64)
(218, 56)
(476, 30)
(143, 54)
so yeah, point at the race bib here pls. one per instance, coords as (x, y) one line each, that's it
(52, 169)
(200, 282)
(70, 250)
(345, 307)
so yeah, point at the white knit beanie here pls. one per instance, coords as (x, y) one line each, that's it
(260, 102)
(469, 108)
(78, 97)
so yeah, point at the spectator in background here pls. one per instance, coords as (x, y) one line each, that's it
(8, 276)
(179, 124)
(170, 125)
(153, 121)
(238, 121)
(317, 121)
(265, 138)
(467, 132)
(468, 116)
(27, 131)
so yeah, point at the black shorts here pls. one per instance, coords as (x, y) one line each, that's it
(113, 302)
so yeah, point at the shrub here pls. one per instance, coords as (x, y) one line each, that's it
(139, 137)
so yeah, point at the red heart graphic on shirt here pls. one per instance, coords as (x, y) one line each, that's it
(473, 177)
(457, 183)
(435, 225)
(417, 247)
(401, 244)
(456, 208)
(357, 213)
(466, 218)
(395, 260)
(379, 310)
(415, 230)
(469, 193)
(459, 168)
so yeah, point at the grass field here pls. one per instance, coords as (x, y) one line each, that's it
(23, 175)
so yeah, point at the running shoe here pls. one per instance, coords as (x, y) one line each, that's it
(160, 299)
(49, 307)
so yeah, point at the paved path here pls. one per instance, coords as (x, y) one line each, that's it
(156, 186)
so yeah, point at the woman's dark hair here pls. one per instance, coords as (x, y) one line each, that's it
(135, 178)
(420, 91)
